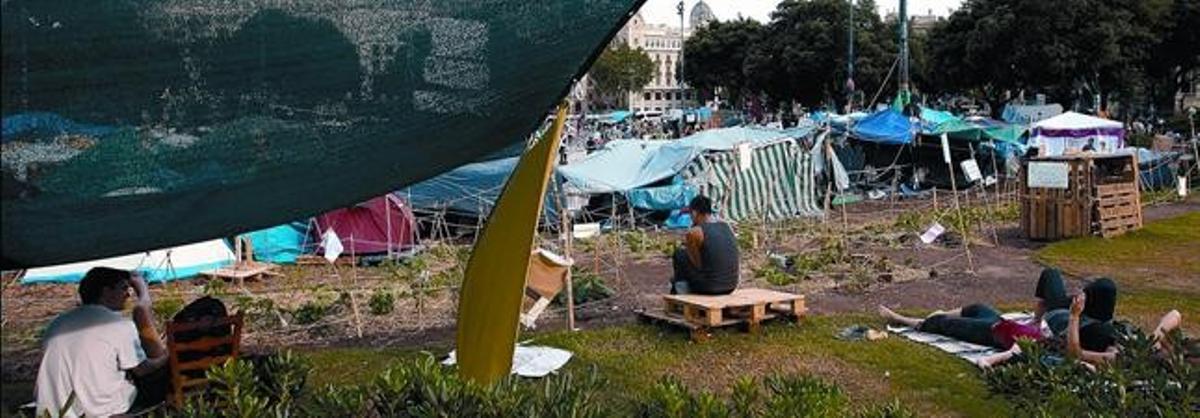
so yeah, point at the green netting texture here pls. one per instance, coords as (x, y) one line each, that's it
(136, 124)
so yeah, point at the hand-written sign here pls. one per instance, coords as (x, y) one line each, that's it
(1047, 175)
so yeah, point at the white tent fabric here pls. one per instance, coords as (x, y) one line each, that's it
(1072, 130)
(158, 265)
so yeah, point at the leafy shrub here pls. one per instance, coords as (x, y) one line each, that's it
(785, 396)
(774, 275)
(1140, 382)
(382, 302)
(310, 312)
(585, 287)
(166, 307)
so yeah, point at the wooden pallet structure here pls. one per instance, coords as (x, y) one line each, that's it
(1118, 209)
(241, 271)
(1102, 197)
(744, 307)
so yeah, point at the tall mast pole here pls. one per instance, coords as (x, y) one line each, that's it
(850, 62)
(903, 23)
(682, 39)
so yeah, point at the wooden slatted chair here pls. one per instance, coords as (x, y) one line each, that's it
(191, 358)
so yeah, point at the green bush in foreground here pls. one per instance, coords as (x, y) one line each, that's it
(1140, 383)
(274, 387)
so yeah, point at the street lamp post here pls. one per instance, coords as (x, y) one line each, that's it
(682, 38)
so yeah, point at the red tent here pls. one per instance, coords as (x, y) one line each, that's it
(375, 226)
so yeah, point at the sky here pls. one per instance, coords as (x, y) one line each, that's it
(663, 11)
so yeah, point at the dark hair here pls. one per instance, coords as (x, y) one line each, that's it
(701, 204)
(96, 280)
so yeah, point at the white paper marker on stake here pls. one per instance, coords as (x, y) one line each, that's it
(932, 233)
(946, 148)
(333, 245)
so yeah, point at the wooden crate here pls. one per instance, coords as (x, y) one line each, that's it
(241, 271)
(745, 307)
(1102, 198)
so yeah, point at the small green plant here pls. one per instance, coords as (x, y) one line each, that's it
(213, 287)
(774, 275)
(585, 287)
(310, 312)
(382, 302)
(166, 307)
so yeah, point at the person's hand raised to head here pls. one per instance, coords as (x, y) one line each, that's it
(140, 289)
(1077, 304)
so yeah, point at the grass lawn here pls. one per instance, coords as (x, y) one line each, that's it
(633, 357)
(1157, 267)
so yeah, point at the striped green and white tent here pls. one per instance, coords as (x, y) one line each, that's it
(757, 180)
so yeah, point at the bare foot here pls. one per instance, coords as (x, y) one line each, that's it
(888, 314)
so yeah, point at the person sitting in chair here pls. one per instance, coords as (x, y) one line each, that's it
(708, 263)
(98, 359)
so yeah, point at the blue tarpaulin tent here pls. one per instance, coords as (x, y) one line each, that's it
(279, 244)
(886, 126)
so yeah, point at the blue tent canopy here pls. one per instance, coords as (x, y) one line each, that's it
(887, 126)
(279, 244)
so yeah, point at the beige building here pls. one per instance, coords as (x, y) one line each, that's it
(663, 43)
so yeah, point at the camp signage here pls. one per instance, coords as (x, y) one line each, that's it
(1047, 175)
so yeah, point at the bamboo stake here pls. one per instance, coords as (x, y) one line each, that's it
(566, 237)
(965, 234)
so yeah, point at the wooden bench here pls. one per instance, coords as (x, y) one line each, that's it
(749, 307)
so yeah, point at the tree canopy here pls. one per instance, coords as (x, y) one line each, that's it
(621, 69)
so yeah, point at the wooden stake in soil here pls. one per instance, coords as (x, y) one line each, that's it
(961, 222)
(566, 236)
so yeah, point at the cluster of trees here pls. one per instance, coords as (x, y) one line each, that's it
(618, 70)
(1140, 53)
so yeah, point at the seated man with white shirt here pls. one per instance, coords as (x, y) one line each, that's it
(97, 354)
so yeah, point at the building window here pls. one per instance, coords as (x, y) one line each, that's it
(646, 96)
(657, 96)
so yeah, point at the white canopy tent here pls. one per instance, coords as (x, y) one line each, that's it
(1074, 131)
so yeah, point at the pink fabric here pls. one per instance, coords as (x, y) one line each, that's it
(1007, 332)
(363, 228)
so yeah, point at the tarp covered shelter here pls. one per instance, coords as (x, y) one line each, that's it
(1075, 131)
(380, 225)
(747, 171)
(470, 190)
(233, 116)
(156, 266)
(886, 126)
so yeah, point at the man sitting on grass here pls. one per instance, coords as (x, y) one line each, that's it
(98, 359)
(708, 263)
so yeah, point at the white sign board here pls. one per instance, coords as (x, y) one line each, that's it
(946, 148)
(745, 156)
(971, 171)
(1047, 175)
(932, 233)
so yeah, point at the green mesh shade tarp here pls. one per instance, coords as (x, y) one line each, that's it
(132, 125)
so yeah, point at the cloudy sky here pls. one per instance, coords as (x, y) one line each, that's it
(663, 11)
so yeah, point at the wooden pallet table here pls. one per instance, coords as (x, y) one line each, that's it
(747, 307)
(241, 271)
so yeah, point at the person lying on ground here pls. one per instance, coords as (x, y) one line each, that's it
(708, 262)
(1074, 347)
(100, 360)
(982, 324)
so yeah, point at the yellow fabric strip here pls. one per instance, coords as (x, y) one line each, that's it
(490, 304)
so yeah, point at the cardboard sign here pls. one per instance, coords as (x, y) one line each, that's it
(971, 171)
(1047, 175)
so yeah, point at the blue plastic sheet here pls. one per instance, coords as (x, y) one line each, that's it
(279, 244)
(675, 196)
(886, 127)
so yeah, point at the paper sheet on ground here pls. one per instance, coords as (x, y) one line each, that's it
(531, 361)
(961, 349)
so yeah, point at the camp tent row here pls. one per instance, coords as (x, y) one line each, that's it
(749, 173)
(380, 225)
